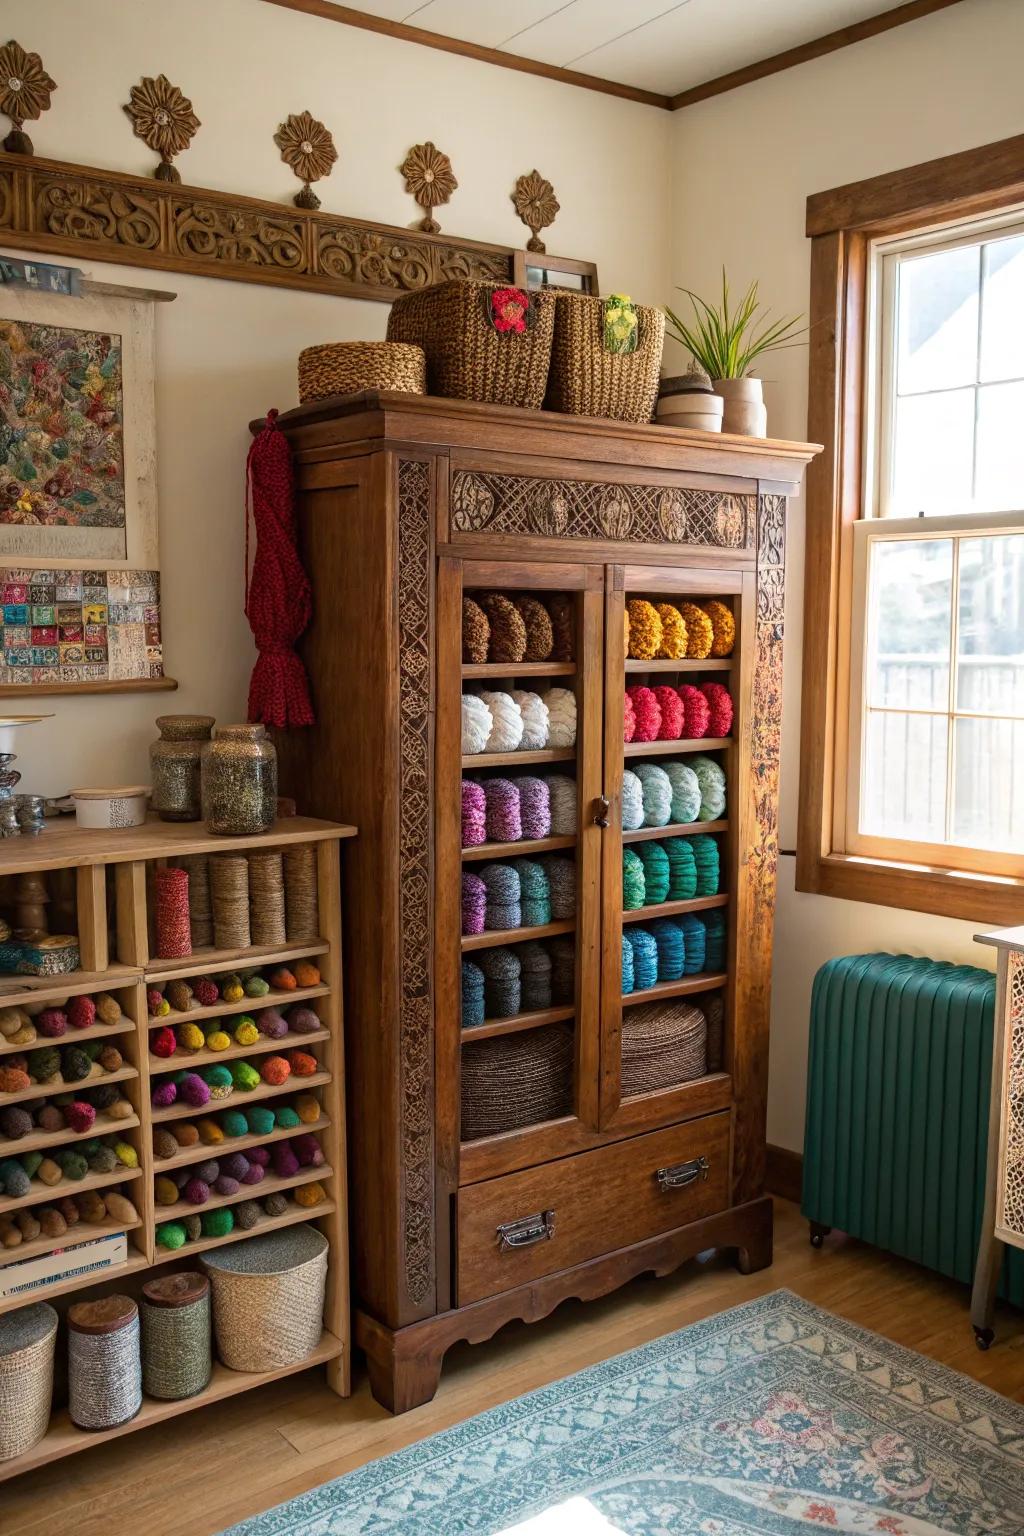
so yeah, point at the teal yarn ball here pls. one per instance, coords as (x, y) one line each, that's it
(682, 868)
(656, 871)
(260, 1120)
(632, 802)
(535, 892)
(634, 886)
(217, 1076)
(645, 957)
(472, 995)
(685, 792)
(657, 794)
(706, 860)
(627, 966)
(671, 949)
(711, 779)
(695, 942)
(714, 940)
(287, 1118)
(233, 1123)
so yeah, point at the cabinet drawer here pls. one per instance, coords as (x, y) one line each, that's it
(524, 1225)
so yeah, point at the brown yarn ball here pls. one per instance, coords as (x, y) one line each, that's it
(563, 624)
(164, 1144)
(476, 631)
(508, 632)
(540, 636)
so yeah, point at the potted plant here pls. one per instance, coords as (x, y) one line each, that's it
(727, 342)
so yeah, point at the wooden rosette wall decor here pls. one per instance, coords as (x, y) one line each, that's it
(163, 119)
(536, 204)
(24, 93)
(429, 177)
(308, 148)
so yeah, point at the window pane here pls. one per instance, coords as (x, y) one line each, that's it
(937, 330)
(1000, 473)
(990, 640)
(933, 454)
(988, 801)
(903, 786)
(911, 583)
(1002, 312)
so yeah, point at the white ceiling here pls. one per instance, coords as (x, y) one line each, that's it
(658, 45)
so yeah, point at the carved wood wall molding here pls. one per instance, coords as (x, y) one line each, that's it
(74, 210)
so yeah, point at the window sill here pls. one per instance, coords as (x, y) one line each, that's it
(913, 887)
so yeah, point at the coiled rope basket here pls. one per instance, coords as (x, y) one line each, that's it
(268, 1298)
(27, 1339)
(346, 367)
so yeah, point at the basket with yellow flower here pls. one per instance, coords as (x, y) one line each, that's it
(606, 357)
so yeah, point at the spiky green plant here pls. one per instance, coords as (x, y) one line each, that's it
(727, 342)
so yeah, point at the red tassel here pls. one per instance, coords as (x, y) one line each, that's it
(278, 603)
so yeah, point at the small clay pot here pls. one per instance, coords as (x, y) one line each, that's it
(745, 412)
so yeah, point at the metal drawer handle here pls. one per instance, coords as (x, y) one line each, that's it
(603, 805)
(681, 1174)
(539, 1228)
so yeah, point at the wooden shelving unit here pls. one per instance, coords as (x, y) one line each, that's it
(114, 928)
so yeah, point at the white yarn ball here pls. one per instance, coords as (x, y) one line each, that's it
(632, 802)
(535, 719)
(506, 722)
(562, 795)
(476, 724)
(561, 703)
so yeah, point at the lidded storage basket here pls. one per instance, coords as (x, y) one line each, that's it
(268, 1298)
(602, 363)
(662, 1044)
(489, 342)
(176, 1358)
(104, 1363)
(346, 367)
(27, 1339)
(516, 1080)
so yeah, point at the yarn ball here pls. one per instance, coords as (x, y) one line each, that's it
(628, 718)
(192, 1090)
(720, 709)
(502, 969)
(535, 976)
(246, 1033)
(164, 1042)
(711, 779)
(563, 626)
(74, 1064)
(81, 1012)
(503, 814)
(260, 1121)
(645, 957)
(686, 792)
(218, 1223)
(109, 1058)
(303, 1021)
(534, 807)
(656, 790)
(223, 1185)
(13, 1080)
(42, 1064)
(207, 1171)
(535, 897)
(16, 1122)
(682, 868)
(52, 1023)
(80, 1117)
(714, 940)
(49, 1118)
(540, 634)
(275, 1204)
(503, 909)
(562, 803)
(206, 992)
(286, 1117)
(723, 626)
(673, 633)
(254, 1174)
(126, 1154)
(472, 995)
(190, 1037)
(696, 712)
(310, 1194)
(235, 1165)
(247, 1214)
(633, 883)
(256, 986)
(164, 1094)
(179, 995)
(644, 629)
(260, 1156)
(506, 731)
(165, 1190)
(672, 712)
(474, 812)
(627, 966)
(508, 632)
(476, 724)
(536, 720)
(561, 703)
(474, 903)
(671, 949)
(308, 1151)
(275, 1070)
(632, 801)
(699, 631)
(706, 863)
(271, 1023)
(218, 1076)
(196, 1191)
(171, 1235)
(476, 632)
(561, 873)
(656, 871)
(108, 1009)
(646, 712)
(164, 1144)
(286, 1164)
(303, 1064)
(695, 941)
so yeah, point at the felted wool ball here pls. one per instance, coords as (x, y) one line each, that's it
(247, 1214)
(15, 1122)
(476, 724)
(286, 1117)
(43, 1064)
(197, 1192)
(673, 633)
(254, 1174)
(628, 718)
(561, 703)
(26, 1035)
(192, 1090)
(540, 635)
(30, 1161)
(245, 1076)
(103, 1096)
(260, 1156)
(51, 1221)
(307, 1108)
(645, 957)
(561, 873)
(656, 788)
(699, 631)
(156, 1003)
(307, 973)
(671, 949)
(235, 1165)
(308, 1151)
(476, 632)
(126, 1154)
(179, 995)
(232, 991)
(232, 1123)
(508, 632)
(218, 1040)
(506, 731)
(68, 1209)
(686, 794)
(218, 1223)
(207, 1171)
(303, 1021)
(49, 1118)
(190, 1037)
(310, 1194)
(632, 801)
(563, 626)
(275, 1070)
(534, 807)
(108, 1009)
(103, 1160)
(303, 1064)
(206, 992)
(285, 1162)
(474, 813)
(633, 887)
(165, 1190)
(696, 713)
(164, 1144)
(271, 1023)
(723, 626)
(474, 903)
(185, 1134)
(93, 1049)
(164, 1094)
(52, 1023)
(163, 1042)
(10, 1233)
(706, 863)
(671, 706)
(209, 1132)
(647, 713)
(170, 1235)
(536, 720)
(17, 1183)
(503, 815)
(49, 1172)
(216, 1077)
(74, 1064)
(719, 708)
(223, 1185)
(695, 940)
(193, 1227)
(256, 986)
(503, 909)
(28, 1225)
(260, 1121)
(644, 629)
(502, 970)
(10, 1021)
(80, 1117)
(712, 787)
(562, 801)
(72, 1165)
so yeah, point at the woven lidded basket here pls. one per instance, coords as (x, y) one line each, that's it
(346, 367)
(489, 342)
(601, 365)
(516, 1080)
(27, 1339)
(268, 1298)
(662, 1044)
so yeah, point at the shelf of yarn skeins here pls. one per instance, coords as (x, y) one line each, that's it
(685, 664)
(520, 849)
(123, 1026)
(507, 670)
(535, 1018)
(43, 1194)
(490, 937)
(41, 1141)
(674, 908)
(271, 1184)
(519, 758)
(671, 747)
(674, 829)
(204, 1151)
(184, 1060)
(700, 981)
(240, 1096)
(202, 962)
(272, 999)
(59, 1085)
(264, 1223)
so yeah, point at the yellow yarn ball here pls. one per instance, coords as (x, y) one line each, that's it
(724, 626)
(209, 1132)
(218, 1040)
(165, 1190)
(625, 631)
(126, 1154)
(190, 1037)
(699, 631)
(644, 630)
(232, 990)
(247, 1033)
(310, 1194)
(673, 633)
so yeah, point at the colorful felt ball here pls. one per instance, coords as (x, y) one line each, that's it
(310, 1194)
(163, 1042)
(218, 1223)
(235, 1165)
(52, 1023)
(673, 633)
(193, 1090)
(156, 1003)
(260, 1121)
(164, 1094)
(80, 1117)
(286, 1117)
(285, 1163)
(719, 708)
(170, 1235)
(81, 1012)
(14, 1080)
(696, 712)
(647, 713)
(245, 1076)
(303, 1021)
(218, 1040)
(196, 1191)
(271, 1023)
(247, 1214)
(232, 990)
(672, 713)
(699, 631)
(307, 1108)
(644, 629)
(165, 1190)
(254, 1174)
(303, 1064)
(260, 1156)
(275, 1070)
(190, 1037)
(308, 1151)
(233, 1123)
(723, 627)
(210, 1133)
(206, 992)
(256, 986)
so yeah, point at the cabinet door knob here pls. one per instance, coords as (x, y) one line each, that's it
(680, 1174)
(539, 1228)
(603, 806)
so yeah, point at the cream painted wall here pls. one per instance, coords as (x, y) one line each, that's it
(226, 351)
(744, 165)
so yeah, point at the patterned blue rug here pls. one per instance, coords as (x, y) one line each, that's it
(772, 1419)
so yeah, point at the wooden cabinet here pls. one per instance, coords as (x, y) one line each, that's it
(470, 1206)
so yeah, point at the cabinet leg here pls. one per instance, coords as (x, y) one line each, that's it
(819, 1232)
(986, 1283)
(404, 1365)
(755, 1252)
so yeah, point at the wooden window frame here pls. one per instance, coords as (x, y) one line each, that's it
(841, 224)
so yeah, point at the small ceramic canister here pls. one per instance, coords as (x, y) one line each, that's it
(121, 806)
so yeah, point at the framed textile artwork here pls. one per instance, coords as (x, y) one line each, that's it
(78, 627)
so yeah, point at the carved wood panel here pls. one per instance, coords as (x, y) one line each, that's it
(766, 732)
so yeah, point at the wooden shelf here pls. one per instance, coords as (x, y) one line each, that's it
(15, 990)
(241, 1096)
(270, 1185)
(517, 935)
(520, 850)
(674, 829)
(288, 1218)
(202, 1153)
(37, 1141)
(247, 1005)
(63, 1438)
(672, 748)
(58, 1085)
(61, 846)
(207, 962)
(519, 759)
(47, 1194)
(77, 1234)
(702, 981)
(190, 1061)
(81, 1232)
(501, 669)
(520, 1021)
(673, 908)
(685, 664)
(108, 685)
(73, 1037)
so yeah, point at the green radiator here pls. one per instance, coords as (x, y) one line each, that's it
(897, 1108)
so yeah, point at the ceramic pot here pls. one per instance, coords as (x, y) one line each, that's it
(122, 806)
(745, 412)
(697, 410)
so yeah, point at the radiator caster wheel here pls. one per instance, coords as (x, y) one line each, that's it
(818, 1234)
(984, 1337)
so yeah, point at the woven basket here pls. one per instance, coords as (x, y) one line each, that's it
(345, 367)
(27, 1339)
(662, 1044)
(516, 1080)
(467, 357)
(587, 379)
(268, 1298)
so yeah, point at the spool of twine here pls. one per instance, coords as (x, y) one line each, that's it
(173, 928)
(200, 912)
(562, 800)
(302, 917)
(229, 889)
(266, 897)
(176, 1354)
(27, 1340)
(104, 1364)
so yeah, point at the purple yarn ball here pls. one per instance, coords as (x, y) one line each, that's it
(303, 1021)
(259, 1155)
(208, 1172)
(164, 1094)
(253, 1174)
(235, 1165)
(504, 823)
(534, 807)
(225, 1185)
(285, 1161)
(194, 1091)
(272, 1023)
(474, 903)
(197, 1192)
(474, 804)
(308, 1150)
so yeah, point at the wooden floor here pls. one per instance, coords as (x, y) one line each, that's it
(198, 1474)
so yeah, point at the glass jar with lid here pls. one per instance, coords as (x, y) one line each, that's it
(174, 765)
(239, 781)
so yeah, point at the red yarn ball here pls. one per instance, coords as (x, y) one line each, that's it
(275, 1070)
(696, 712)
(81, 1012)
(628, 719)
(672, 713)
(647, 711)
(51, 1023)
(720, 707)
(196, 1192)
(163, 1042)
(79, 1117)
(303, 1064)
(205, 992)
